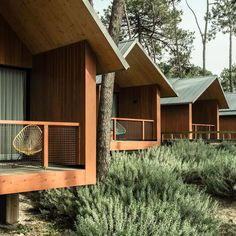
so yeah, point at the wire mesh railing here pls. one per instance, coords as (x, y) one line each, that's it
(41, 144)
(132, 129)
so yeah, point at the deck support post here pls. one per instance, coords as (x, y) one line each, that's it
(9, 209)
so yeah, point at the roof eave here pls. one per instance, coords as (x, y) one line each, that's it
(123, 63)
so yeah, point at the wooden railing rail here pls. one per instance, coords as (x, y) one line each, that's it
(203, 125)
(18, 122)
(132, 120)
(223, 135)
(209, 127)
(142, 121)
(46, 126)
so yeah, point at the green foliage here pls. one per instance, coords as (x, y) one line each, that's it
(156, 24)
(223, 16)
(188, 71)
(225, 78)
(212, 167)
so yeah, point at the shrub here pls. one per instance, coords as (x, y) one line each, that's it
(143, 194)
(220, 176)
(228, 146)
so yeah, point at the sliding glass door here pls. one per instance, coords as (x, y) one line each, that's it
(12, 107)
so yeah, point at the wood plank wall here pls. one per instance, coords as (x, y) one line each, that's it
(228, 123)
(63, 88)
(206, 112)
(140, 103)
(176, 118)
(12, 51)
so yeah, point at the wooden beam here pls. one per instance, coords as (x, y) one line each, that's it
(45, 146)
(158, 115)
(114, 129)
(132, 145)
(41, 180)
(190, 119)
(90, 115)
(143, 130)
(18, 122)
(132, 119)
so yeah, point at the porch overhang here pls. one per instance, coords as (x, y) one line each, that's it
(191, 90)
(142, 71)
(215, 92)
(46, 25)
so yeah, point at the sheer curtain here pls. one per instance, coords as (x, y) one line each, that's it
(12, 107)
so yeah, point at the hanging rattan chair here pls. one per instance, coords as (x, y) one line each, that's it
(29, 140)
(120, 129)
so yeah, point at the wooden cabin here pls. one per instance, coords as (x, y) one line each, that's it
(136, 122)
(228, 118)
(195, 112)
(50, 54)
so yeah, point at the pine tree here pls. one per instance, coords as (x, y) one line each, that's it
(223, 17)
(106, 96)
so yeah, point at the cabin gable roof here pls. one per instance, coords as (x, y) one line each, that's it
(142, 70)
(231, 111)
(192, 89)
(46, 25)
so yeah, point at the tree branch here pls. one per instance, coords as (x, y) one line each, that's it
(196, 19)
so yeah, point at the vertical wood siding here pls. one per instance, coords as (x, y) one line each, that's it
(176, 118)
(228, 123)
(206, 112)
(12, 51)
(139, 103)
(63, 88)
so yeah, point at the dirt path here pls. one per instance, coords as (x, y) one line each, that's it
(227, 213)
(31, 223)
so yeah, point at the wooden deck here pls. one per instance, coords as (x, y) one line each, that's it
(139, 134)
(57, 166)
(27, 179)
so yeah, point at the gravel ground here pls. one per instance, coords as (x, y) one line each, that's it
(227, 213)
(31, 223)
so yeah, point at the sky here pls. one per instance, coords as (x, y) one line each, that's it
(217, 50)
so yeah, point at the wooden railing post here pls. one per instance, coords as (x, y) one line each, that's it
(114, 129)
(209, 134)
(45, 146)
(143, 130)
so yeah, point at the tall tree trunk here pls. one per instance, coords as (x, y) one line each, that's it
(202, 34)
(127, 21)
(230, 59)
(91, 2)
(177, 54)
(139, 29)
(204, 40)
(106, 97)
